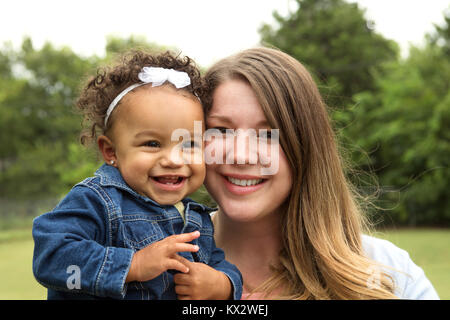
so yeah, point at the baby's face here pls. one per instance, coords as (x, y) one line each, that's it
(150, 162)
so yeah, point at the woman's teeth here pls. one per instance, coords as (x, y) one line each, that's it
(244, 183)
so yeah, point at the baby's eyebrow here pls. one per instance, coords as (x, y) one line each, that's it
(147, 132)
(156, 134)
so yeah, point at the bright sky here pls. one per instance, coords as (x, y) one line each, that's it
(205, 30)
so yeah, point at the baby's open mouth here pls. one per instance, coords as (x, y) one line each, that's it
(169, 179)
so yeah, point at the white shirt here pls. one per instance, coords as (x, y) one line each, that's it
(410, 280)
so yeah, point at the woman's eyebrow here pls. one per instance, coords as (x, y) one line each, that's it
(219, 117)
(224, 119)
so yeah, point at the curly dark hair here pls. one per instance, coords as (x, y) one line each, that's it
(100, 91)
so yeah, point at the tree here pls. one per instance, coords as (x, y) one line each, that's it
(335, 42)
(404, 124)
(115, 45)
(394, 126)
(38, 121)
(40, 153)
(442, 35)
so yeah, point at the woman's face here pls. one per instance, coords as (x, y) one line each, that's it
(243, 188)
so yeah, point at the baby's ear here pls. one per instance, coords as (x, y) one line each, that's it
(107, 149)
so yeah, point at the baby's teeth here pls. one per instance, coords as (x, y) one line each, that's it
(168, 180)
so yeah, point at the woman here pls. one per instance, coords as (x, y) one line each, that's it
(296, 233)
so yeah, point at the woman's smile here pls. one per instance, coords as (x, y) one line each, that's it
(242, 184)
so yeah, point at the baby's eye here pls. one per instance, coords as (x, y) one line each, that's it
(191, 144)
(152, 144)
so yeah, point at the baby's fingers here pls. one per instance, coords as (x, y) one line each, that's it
(179, 242)
(185, 237)
(181, 290)
(176, 264)
(184, 247)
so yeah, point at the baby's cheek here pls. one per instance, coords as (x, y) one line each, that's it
(198, 175)
(193, 157)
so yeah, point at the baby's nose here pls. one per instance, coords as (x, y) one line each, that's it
(173, 158)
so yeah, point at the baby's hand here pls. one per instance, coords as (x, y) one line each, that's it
(160, 256)
(202, 283)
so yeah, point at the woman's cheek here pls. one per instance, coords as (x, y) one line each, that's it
(269, 158)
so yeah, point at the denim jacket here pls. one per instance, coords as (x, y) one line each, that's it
(83, 248)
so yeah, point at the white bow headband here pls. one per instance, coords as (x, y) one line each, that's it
(156, 76)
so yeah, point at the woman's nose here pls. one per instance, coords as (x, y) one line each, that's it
(243, 149)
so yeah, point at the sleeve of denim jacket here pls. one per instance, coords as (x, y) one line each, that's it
(219, 263)
(70, 253)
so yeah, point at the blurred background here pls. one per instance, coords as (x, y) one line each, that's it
(383, 68)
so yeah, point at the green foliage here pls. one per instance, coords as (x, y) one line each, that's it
(202, 196)
(393, 119)
(335, 41)
(37, 119)
(116, 45)
(404, 124)
(40, 156)
(442, 35)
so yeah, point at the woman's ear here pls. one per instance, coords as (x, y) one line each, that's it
(107, 149)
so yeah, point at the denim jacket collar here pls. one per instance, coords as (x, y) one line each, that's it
(111, 176)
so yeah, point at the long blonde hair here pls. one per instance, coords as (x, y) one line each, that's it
(322, 255)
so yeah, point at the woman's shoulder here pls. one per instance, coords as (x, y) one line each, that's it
(410, 279)
(384, 251)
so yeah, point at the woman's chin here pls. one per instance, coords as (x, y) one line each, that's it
(242, 211)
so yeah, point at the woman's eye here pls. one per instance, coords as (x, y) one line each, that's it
(266, 134)
(270, 136)
(222, 130)
(152, 144)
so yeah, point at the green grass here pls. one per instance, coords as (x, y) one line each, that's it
(429, 248)
(16, 276)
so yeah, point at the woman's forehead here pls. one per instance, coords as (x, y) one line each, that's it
(235, 102)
